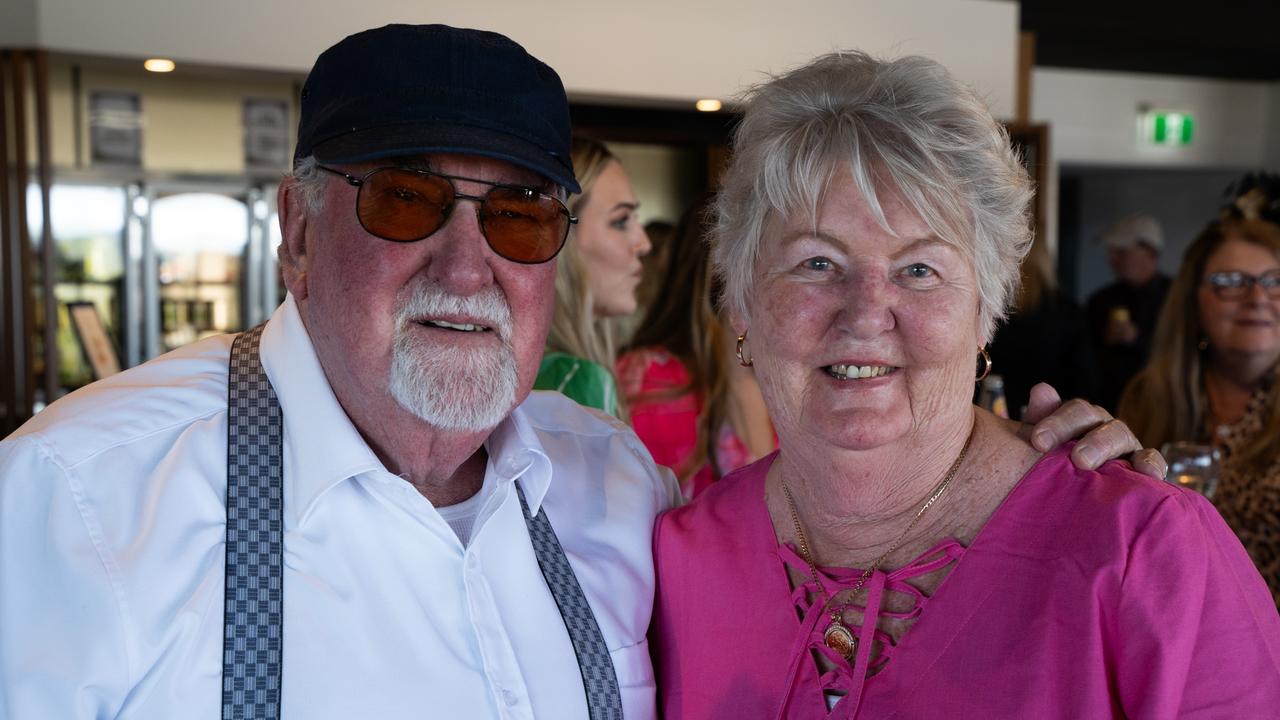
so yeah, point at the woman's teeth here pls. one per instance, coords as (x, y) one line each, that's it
(858, 372)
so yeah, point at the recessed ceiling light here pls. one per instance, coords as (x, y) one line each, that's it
(159, 65)
(708, 105)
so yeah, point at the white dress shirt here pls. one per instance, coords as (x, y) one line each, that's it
(112, 523)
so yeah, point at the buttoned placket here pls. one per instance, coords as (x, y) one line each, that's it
(510, 693)
(507, 685)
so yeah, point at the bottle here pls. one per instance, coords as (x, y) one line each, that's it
(992, 396)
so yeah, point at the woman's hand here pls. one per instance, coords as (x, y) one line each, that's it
(1049, 422)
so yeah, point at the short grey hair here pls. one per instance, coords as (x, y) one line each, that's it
(306, 176)
(903, 125)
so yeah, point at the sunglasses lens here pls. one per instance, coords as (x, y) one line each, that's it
(402, 205)
(522, 226)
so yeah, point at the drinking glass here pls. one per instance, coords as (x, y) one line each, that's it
(1193, 465)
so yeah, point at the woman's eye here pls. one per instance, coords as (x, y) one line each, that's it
(620, 223)
(819, 264)
(919, 275)
(918, 271)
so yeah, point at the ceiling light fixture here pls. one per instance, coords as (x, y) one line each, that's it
(159, 65)
(708, 105)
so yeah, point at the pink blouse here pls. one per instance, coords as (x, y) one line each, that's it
(1086, 595)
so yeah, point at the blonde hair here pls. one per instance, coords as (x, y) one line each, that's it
(904, 125)
(575, 329)
(684, 320)
(1166, 401)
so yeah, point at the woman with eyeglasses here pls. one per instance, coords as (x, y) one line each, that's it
(596, 279)
(1214, 365)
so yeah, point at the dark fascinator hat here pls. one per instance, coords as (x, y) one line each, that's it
(1256, 196)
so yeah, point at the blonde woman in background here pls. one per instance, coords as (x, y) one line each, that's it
(596, 279)
(1214, 365)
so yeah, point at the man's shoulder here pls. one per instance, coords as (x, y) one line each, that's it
(552, 412)
(600, 448)
(173, 390)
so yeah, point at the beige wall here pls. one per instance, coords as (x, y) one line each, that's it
(659, 49)
(664, 178)
(192, 125)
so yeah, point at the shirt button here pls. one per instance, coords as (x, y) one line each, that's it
(473, 562)
(509, 698)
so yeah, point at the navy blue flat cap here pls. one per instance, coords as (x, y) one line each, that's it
(417, 89)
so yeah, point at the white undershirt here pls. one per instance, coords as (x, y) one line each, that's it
(462, 516)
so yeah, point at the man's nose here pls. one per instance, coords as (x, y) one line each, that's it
(460, 255)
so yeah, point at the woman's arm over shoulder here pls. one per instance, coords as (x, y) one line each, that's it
(1196, 633)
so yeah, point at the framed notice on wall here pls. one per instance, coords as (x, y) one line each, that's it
(266, 134)
(98, 350)
(115, 127)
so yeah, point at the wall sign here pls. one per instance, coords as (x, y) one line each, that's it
(266, 134)
(115, 127)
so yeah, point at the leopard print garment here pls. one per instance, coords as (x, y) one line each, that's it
(1248, 500)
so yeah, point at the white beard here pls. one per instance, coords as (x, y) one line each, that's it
(453, 388)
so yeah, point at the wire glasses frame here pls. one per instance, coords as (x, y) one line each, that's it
(401, 204)
(1236, 284)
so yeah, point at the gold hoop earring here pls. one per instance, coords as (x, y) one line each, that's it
(985, 358)
(742, 342)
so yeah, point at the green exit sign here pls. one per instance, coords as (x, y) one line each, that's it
(1167, 127)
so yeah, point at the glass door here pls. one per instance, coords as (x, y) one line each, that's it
(88, 230)
(194, 264)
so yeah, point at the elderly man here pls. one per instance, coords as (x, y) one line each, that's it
(357, 510)
(1122, 316)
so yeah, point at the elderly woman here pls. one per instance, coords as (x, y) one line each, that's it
(905, 554)
(1220, 327)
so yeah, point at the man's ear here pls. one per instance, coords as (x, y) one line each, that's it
(292, 252)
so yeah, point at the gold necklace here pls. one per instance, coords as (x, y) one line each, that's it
(838, 636)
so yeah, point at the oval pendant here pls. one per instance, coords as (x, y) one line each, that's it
(839, 638)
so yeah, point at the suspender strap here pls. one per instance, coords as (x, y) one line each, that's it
(252, 623)
(253, 619)
(604, 702)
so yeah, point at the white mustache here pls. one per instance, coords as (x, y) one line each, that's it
(488, 307)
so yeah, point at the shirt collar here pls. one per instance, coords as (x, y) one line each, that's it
(320, 441)
(515, 452)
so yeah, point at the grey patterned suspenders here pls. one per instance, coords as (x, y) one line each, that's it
(253, 622)
(604, 702)
(254, 595)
